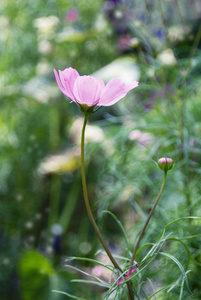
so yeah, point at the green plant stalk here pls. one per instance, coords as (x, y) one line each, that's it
(84, 185)
(146, 223)
(195, 45)
(89, 212)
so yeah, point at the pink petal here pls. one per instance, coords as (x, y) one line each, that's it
(68, 77)
(114, 91)
(59, 83)
(132, 85)
(87, 90)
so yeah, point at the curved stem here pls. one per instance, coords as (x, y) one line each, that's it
(146, 223)
(87, 200)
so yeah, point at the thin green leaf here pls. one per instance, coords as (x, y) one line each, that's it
(162, 289)
(89, 275)
(121, 227)
(181, 289)
(175, 261)
(114, 286)
(152, 286)
(115, 255)
(90, 282)
(145, 293)
(152, 251)
(67, 294)
(178, 281)
(185, 246)
(144, 246)
(180, 219)
(178, 264)
(90, 260)
(190, 237)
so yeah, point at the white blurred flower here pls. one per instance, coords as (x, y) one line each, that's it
(19, 198)
(178, 32)
(39, 89)
(61, 163)
(93, 133)
(127, 193)
(42, 96)
(167, 57)
(43, 68)
(134, 42)
(5, 30)
(101, 23)
(49, 250)
(125, 67)
(6, 261)
(4, 22)
(46, 26)
(38, 216)
(70, 34)
(56, 229)
(85, 247)
(31, 239)
(118, 14)
(45, 47)
(29, 225)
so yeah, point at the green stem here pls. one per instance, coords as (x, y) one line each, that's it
(195, 45)
(130, 290)
(129, 284)
(146, 223)
(87, 200)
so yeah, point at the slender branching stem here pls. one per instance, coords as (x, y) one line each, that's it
(146, 223)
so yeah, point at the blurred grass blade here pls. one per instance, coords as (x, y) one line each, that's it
(162, 289)
(175, 260)
(180, 219)
(121, 227)
(89, 281)
(90, 260)
(152, 287)
(180, 267)
(185, 246)
(146, 297)
(69, 295)
(103, 283)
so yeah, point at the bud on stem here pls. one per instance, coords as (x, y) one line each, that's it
(165, 163)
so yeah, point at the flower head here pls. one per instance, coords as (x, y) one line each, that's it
(89, 92)
(72, 15)
(165, 163)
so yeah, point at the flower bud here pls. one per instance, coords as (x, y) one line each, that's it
(165, 163)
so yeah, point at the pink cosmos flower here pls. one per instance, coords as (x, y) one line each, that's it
(72, 15)
(91, 91)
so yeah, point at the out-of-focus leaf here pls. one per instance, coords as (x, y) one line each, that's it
(35, 271)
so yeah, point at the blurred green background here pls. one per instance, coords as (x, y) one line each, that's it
(42, 216)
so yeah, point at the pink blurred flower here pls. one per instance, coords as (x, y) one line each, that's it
(90, 91)
(124, 42)
(72, 15)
